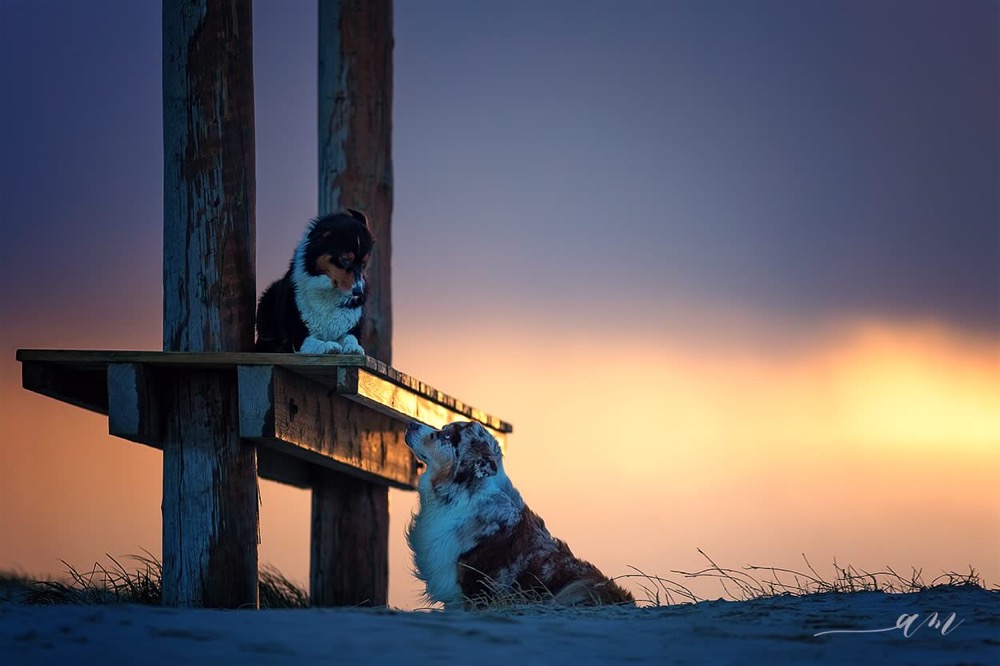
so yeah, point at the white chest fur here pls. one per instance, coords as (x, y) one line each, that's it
(441, 532)
(436, 538)
(321, 310)
(320, 305)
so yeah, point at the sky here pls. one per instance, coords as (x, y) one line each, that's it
(731, 269)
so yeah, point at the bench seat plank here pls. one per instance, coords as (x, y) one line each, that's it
(346, 413)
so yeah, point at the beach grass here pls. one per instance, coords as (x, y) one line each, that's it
(762, 582)
(115, 583)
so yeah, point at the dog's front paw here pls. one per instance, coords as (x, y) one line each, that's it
(333, 348)
(313, 345)
(350, 345)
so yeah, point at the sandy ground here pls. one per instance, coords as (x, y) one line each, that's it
(778, 630)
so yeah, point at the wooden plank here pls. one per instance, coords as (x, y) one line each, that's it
(77, 385)
(275, 465)
(97, 359)
(322, 369)
(291, 414)
(134, 400)
(210, 499)
(387, 398)
(256, 387)
(136, 415)
(87, 379)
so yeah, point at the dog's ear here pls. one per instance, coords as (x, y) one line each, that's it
(482, 434)
(359, 216)
(475, 469)
(481, 460)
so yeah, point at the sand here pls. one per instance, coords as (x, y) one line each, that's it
(765, 631)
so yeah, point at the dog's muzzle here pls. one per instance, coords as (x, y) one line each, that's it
(416, 432)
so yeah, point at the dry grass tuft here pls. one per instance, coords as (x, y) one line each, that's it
(746, 584)
(497, 597)
(116, 584)
(757, 582)
(276, 591)
(101, 585)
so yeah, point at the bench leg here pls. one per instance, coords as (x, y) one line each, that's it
(210, 496)
(349, 558)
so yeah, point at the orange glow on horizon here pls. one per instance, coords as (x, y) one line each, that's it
(640, 456)
(876, 445)
(904, 391)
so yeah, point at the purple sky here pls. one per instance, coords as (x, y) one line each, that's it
(800, 160)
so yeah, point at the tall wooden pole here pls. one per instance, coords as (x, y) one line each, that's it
(355, 139)
(210, 502)
(350, 518)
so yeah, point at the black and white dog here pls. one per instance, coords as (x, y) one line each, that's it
(473, 538)
(316, 307)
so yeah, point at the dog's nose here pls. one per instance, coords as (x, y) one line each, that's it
(413, 427)
(358, 289)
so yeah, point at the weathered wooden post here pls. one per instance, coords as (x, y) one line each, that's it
(350, 517)
(210, 500)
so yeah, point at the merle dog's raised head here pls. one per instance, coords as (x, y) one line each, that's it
(338, 248)
(460, 455)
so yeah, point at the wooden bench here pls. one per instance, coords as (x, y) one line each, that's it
(311, 421)
(225, 417)
(293, 405)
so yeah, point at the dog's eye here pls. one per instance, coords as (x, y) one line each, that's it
(345, 261)
(453, 437)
